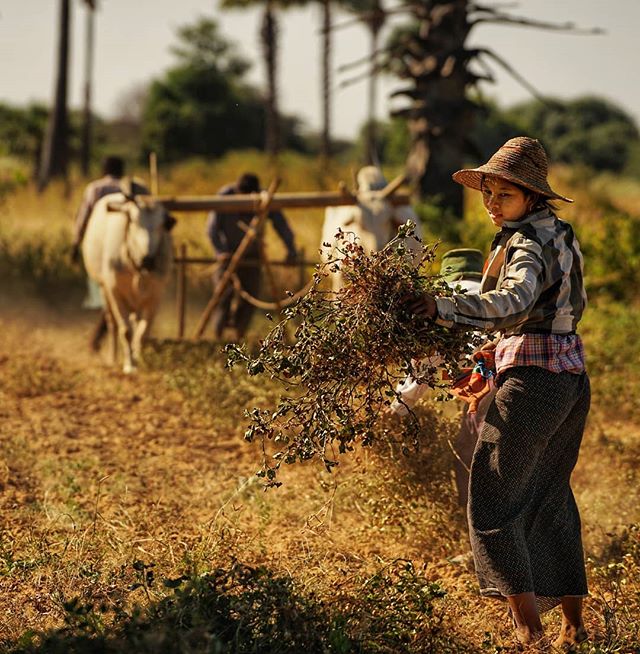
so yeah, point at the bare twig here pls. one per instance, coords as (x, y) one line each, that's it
(492, 9)
(539, 24)
(365, 16)
(363, 60)
(513, 72)
(359, 78)
(453, 449)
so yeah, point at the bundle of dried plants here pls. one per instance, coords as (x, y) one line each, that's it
(349, 351)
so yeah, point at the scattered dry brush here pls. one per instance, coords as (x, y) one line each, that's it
(349, 351)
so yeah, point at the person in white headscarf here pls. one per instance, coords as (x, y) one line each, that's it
(373, 221)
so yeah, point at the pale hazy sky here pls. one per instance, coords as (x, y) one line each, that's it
(133, 39)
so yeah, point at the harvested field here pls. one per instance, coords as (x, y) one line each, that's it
(112, 485)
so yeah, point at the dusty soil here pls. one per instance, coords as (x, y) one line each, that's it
(94, 464)
(99, 470)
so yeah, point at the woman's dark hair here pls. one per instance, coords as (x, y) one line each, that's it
(541, 201)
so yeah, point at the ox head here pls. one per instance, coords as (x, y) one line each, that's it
(148, 227)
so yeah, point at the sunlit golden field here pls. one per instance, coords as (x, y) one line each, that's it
(131, 517)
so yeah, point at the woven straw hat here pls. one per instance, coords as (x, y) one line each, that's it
(521, 160)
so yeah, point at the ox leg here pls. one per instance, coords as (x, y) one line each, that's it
(141, 329)
(113, 336)
(143, 326)
(120, 314)
(99, 331)
(110, 306)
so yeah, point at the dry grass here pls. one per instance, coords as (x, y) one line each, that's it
(111, 486)
(107, 479)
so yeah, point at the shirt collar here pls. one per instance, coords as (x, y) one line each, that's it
(532, 217)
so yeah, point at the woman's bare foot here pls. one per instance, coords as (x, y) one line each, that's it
(570, 636)
(526, 619)
(572, 632)
(526, 636)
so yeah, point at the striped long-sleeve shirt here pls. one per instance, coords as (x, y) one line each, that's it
(532, 291)
(533, 281)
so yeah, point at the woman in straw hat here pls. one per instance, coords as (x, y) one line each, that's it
(523, 520)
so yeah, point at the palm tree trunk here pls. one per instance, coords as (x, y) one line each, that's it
(440, 116)
(372, 93)
(88, 71)
(375, 22)
(55, 152)
(325, 143)
(269, 36)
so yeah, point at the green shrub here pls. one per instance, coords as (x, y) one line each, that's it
(243, 609)
(613, 350)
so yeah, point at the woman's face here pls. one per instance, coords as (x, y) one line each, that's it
(504, 200)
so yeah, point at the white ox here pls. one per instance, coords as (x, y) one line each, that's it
(127, 250)
(373, 221)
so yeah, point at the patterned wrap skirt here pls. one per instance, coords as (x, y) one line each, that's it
(523, 519)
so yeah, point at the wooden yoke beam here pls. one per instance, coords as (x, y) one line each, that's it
(262, 211)
(250, 203)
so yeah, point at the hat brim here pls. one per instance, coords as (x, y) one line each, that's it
(472, 178)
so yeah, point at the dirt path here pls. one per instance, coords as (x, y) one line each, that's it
(100, 469)
(66, 402)
(96, 468)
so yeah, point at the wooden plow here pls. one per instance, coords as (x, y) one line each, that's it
(258, 205)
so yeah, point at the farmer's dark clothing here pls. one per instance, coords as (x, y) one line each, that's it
(226, 231)
(523, 520)
(233, 311)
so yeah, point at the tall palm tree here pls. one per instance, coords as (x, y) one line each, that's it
(85, 154)
(269, 41)
(56, 151)
(374, 19)
(433, 58)
(325, 138)
(373, 15)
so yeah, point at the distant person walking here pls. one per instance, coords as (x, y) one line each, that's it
(226, 231)
(112, 173)
(523, 519)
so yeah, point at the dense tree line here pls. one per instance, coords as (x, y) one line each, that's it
(589, 131)
(203, 106)
(179, 119)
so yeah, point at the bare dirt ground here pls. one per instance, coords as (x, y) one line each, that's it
(99, 470)
(88, 452)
